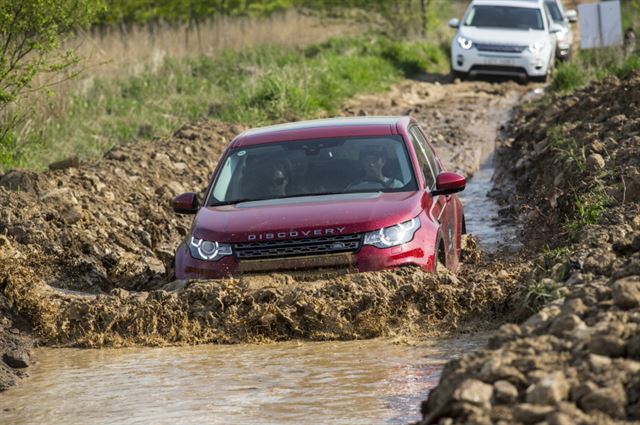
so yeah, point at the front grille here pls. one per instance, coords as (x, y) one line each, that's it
(298, 247)
(498, 70)
(503, 48)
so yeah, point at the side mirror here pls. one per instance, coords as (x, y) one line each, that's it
(454, 23)
(448, 183)
(572, 15)
(555, 29)
(187, 203)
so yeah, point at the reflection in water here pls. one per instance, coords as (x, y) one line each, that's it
(331, 383)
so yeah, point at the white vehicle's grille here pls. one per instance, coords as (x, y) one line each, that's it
(502, 48)
(298, 247)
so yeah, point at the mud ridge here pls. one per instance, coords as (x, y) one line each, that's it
(577, 360)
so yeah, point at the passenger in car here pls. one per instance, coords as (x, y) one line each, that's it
(372, 162)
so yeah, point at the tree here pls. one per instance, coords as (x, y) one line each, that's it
(31, 36)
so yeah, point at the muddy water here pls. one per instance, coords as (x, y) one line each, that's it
(373, 381)
(481, 211)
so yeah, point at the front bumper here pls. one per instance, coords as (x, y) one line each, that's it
(420, 252)
(524, 64)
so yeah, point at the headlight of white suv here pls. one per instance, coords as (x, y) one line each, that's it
(465, 43)
(208, 250)
(536, 47)
(394, 235)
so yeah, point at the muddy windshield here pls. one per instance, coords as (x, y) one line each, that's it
(313, 167)
(519, 18)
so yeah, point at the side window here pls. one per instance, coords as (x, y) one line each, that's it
(435, 165)
(427, 172)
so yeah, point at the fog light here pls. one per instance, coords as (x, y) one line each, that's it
(460, 60)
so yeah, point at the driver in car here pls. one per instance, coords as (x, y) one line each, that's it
(371, 162)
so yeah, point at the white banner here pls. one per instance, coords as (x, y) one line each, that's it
(600, 24)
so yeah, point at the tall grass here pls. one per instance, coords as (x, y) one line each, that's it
(254, 86)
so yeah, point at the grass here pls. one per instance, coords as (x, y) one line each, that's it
(567, 149)
(589, 207)
(254, 86)
(590, 65)
(537, 294)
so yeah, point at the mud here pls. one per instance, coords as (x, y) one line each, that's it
(86, 250)
(577, 360)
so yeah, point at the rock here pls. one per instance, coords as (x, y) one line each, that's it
(626, 292)
(474, 392)
(633, 347)
(530, 414)
(71, 215)
(551, 389)
(559, 418)
(566, 324)
(574, 306)
(504, 392)
(505, 334)
(610, 401)
(18, 358)
(599, 363)
(607, 345)
(595, 162)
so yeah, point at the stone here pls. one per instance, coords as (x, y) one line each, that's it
(71, 215)
(626, 292)
(609, 400)
(566, 324)
(474, 392)
(599, 363)
(17, 358)
(607, 345)
(633, 347)
(574, 306)
(504, 392)
(530, 414)
(595, 162)
(559, 418)
(551, 389)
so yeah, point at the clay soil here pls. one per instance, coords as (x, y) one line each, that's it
(86, 249)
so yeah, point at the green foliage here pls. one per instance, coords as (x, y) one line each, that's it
(593, 64)
(589, 207)
(31, 33)
(255, 86)
(538, 293)
(567, 149)
(570, 76)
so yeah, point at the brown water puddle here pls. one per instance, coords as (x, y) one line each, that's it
(375, 381)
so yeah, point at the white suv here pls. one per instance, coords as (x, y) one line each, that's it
(504, 37)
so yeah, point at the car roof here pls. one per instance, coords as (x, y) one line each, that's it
(323, 128)
(514, 3)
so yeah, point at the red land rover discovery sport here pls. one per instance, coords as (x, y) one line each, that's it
(360, 194)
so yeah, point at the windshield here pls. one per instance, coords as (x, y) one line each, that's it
(522, 18)
(554, 11)
(313, 167)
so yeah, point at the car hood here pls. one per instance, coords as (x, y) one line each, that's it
(310, 216)
(502, 36)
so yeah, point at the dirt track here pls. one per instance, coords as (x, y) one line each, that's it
(86, 251)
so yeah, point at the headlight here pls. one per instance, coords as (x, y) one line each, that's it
(465, 43)
(208, 250)
(394, 235)
(561, 36)
(536, 47)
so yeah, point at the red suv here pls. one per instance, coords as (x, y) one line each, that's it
(361, 194)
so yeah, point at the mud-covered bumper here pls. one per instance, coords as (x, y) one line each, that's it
(369, 258)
